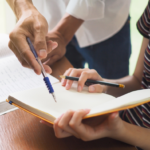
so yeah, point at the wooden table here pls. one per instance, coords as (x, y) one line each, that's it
(22, 131)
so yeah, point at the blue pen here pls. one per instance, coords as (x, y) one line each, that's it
(46, 79)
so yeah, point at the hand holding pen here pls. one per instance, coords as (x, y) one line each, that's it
(46, 79)
(87, 77)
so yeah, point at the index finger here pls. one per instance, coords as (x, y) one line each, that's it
(24, 50)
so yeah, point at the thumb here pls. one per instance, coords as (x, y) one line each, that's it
(96, 88)
(51, 45)
(113, 117)
(40, 45)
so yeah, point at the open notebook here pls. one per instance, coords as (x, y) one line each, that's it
(14, 77)
(41, 104)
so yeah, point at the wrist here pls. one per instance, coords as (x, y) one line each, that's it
(119, 131)
(68, 26)
(56, 35)
(22, 7)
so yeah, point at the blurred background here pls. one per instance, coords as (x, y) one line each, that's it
(7, 23)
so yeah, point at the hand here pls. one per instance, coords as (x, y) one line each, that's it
(33, 25)
(83, 75)
(71, 123)
(59, 52)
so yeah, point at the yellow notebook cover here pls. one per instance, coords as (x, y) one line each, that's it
(39, 102)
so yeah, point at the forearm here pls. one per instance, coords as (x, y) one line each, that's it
(134, 135)
(131, 83)
(20, 6)
(67, 27)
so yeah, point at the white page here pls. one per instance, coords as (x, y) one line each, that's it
(66, 99)
(14, 77)
(4, 49)
(125, 100)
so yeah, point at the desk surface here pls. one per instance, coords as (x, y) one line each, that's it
(22, 131)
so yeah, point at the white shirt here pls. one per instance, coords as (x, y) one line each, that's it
(102, 18)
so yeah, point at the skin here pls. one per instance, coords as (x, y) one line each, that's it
(62, 34)
(33, 25)
(111, 125)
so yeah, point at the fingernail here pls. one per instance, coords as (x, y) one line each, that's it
(91, 88)
(79, 88)
(61, 115)
(116, 115)
(63, 82)
(67, 86)
(43, 52)
(54, 45)
(87, 110)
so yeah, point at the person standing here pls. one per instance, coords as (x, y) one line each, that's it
(101, 29)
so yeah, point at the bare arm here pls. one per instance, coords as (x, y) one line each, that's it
(112, 126)
(131, 82)
(62, 34)
(133, 135)
(33, 25)
(20, 6)
(68, 26)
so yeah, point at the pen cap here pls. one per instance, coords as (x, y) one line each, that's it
(48, 84)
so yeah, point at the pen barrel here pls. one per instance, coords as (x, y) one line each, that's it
(32, 48)
(90, 82)
(48, 84)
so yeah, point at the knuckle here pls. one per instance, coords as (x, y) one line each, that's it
(72, 124)
(84, 73)
(69, 70)
(87, 69)
(93, 70)
(57, 135)
(70, 112)
(24, 54)
(79, 112)
(99, 88)
(85, 139)
(39, 42)
(38, 27)
(61, 125)
(10, 45)
(74, 71)
(23, 63)
(12, 35)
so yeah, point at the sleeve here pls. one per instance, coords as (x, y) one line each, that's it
(86, 9)
(143, 24)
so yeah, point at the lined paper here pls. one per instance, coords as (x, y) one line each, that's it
(4, 49)
(13, 76)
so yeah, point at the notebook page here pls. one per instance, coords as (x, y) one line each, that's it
(125, 100)
(14, 77)
(4, 49)
(40, 99)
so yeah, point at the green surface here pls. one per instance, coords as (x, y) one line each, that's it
(2, 16)
(136, 9)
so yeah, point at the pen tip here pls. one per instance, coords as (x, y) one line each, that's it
(121, 86)
(54, 97)
(61, 76)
